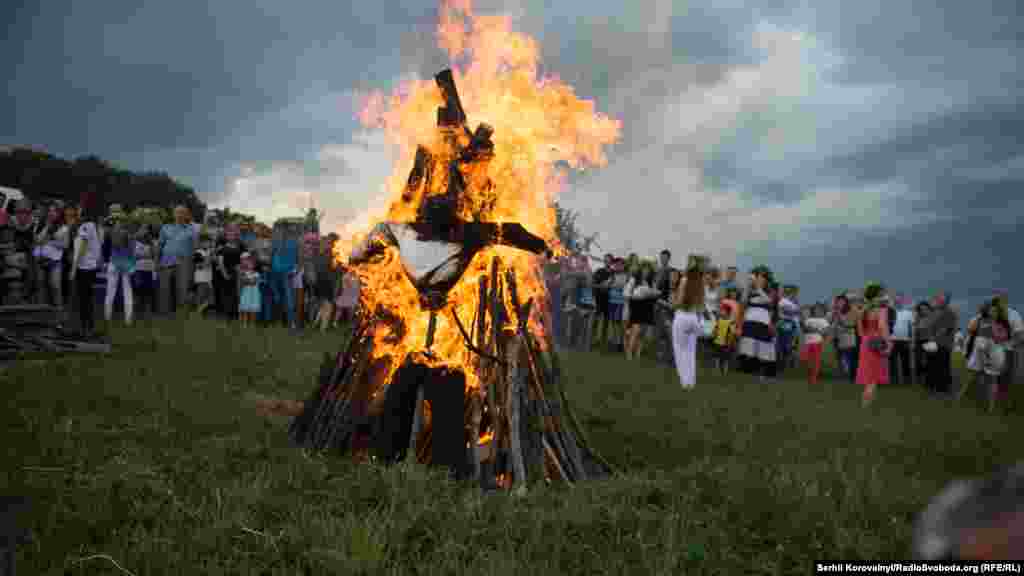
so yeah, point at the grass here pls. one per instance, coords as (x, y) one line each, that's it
(152, 459)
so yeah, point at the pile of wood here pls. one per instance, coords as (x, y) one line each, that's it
(32, 328)
(518, 426)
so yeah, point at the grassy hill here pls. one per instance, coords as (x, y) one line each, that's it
(153, 459)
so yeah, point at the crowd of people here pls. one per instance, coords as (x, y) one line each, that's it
(77, 258)
(761, 328)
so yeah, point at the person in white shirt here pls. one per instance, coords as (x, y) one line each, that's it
(144, 278)
(203, 276)
(899, 357)
(51, 240)
(1013, 346)
(815, 328)
(85, 263)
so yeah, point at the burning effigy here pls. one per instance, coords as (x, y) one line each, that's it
(451, 360)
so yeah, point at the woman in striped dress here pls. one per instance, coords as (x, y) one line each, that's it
(757, 328)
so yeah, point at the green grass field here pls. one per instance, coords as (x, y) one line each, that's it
(153, 459)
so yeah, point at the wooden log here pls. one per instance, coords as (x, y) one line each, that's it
(481, 316)
(30, 314)
(486, 369)
(577, 431)
(332, 424)
(417, 424)
(474, 436)
(555, 464)
(514, 412)
(541, 416)
(497, 373)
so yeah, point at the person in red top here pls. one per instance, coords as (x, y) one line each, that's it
(875, 345)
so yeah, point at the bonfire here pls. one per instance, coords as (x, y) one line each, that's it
(451, 360)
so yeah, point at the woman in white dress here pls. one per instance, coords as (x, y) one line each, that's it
(688, 324)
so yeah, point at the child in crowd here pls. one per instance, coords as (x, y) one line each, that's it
(724, 335)
(616, 305)
(249, 297)
(788, 327)
(815, 329)
(348, 297)
(203, 275)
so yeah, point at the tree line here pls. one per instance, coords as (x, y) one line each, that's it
(45, 177)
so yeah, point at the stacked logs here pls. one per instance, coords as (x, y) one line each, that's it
(519, 428)
(519, 423)
(31, 328)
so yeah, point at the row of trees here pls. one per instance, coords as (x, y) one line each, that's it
(43, 176)
(570, 235)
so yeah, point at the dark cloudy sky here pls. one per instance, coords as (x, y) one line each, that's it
(834, 141)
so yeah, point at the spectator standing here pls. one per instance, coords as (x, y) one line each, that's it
(73, 221)
(617, 305)
(51, 243)
(724, 336)
(203, 263)
(756, 325)
(553, 282)
(873, 364)
(175, 247)
(899, 359)
(249, 290)
(788, 332)
(601, 282)
(712, 289)
(120, 268)
(85, 264)
(326, 281)
(574, 275)
(144, 278)
(938, 329)
(664, 313)
(585, 307)
(348, 299)
(990, 331)
(687, 325)
(921, 311)
(712, 297)
(306, 283)
(641, 296)
(844, 326)
(22, 285)
(815, 328)
(262, 251)
(1014, 345)
(228, 256)
(284, 262)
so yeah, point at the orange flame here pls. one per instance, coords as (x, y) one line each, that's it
(538, 123)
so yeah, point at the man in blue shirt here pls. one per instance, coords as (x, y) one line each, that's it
(175, 247)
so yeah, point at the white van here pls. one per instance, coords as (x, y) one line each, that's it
(8, 197)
